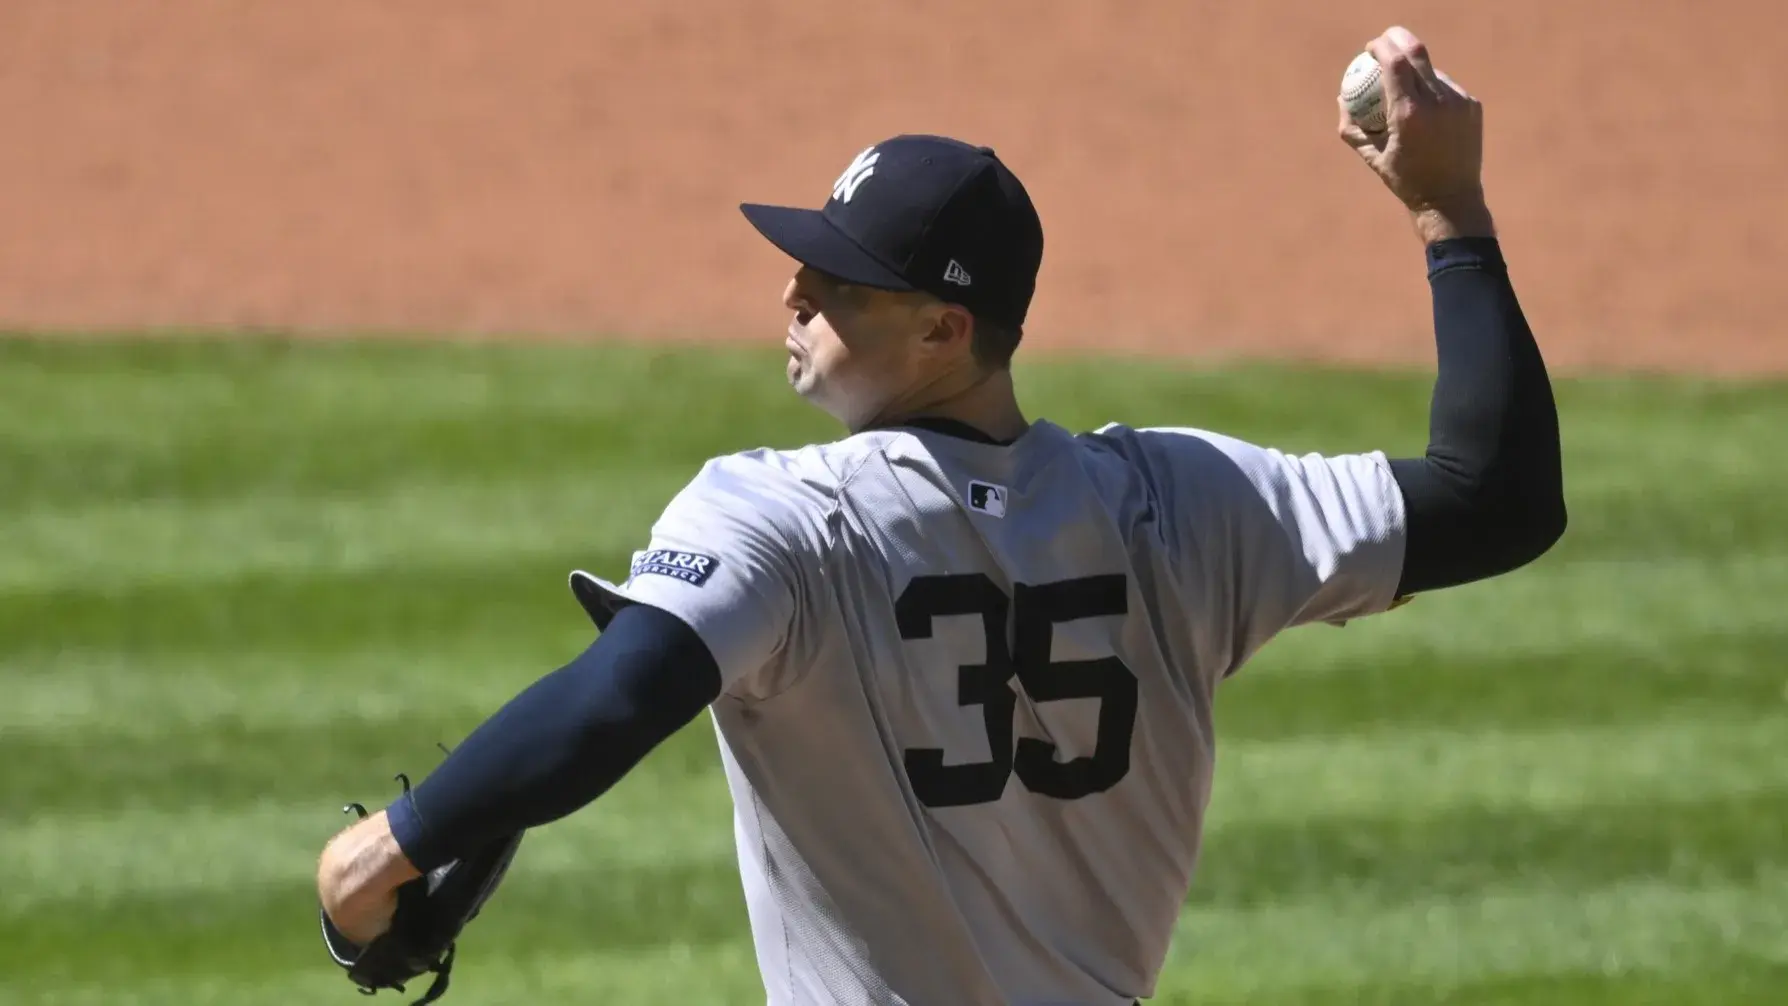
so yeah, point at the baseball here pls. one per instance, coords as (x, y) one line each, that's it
(1362, 92)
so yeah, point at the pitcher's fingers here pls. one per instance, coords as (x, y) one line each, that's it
(1355, 137)
(1452, 85)
(1417, 51)
(1399, 78)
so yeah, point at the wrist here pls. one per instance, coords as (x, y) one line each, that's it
(361, 862)
(1463, 216)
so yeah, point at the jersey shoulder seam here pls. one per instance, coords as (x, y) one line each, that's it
(1129, 446)
(828, 540)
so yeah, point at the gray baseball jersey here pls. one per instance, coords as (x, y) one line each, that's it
(966, 717)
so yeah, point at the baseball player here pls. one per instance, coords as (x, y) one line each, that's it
(961, 663)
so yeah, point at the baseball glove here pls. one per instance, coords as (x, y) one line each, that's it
(431, 912)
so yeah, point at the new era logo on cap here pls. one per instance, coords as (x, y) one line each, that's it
(907, 213)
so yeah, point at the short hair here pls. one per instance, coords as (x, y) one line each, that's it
(994, 343)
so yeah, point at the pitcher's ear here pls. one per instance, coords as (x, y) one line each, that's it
(952, 328)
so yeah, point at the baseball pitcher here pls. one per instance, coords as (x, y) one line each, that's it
(961, 662)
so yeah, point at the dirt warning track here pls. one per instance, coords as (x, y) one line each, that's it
(572, 170)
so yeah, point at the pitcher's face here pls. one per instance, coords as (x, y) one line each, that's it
(854, 349)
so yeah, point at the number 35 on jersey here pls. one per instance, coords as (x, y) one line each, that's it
(1032, 612)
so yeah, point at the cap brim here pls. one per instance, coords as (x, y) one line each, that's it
(809, 238)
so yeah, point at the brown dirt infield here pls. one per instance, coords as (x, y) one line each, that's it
(566, 169)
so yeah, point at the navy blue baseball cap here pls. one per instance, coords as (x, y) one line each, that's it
(927, 213)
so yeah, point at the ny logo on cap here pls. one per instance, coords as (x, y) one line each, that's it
(861, 168)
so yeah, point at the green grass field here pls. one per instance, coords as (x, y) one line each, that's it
(243, 583)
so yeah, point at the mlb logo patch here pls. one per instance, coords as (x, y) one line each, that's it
(691, 567)
(987, 498)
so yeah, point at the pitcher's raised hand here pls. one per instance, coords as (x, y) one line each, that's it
(1431, 152)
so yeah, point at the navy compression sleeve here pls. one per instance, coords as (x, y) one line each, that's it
(563, 741)
(1489, 494)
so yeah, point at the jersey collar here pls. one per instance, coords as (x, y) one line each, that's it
(954, 428)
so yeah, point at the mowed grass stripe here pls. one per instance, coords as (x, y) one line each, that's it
(152, 542)
(1391, 856)
(428, 608)
(1638, 927)
(1311, 798)
(669, 972)
(153, 853)
(227, 765)
(724, 976)
(264, 418)
(221, 418)
(1606, 683)
(1635, 607)
(210, 573)
(108, 697)
(597, 944)
(637, 908)
(1560, 767)
(1718, 982)
(271, 653)
(1387, 859)
(130, 540)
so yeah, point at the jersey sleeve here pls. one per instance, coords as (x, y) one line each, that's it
(1265, 540)
(728, 557)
